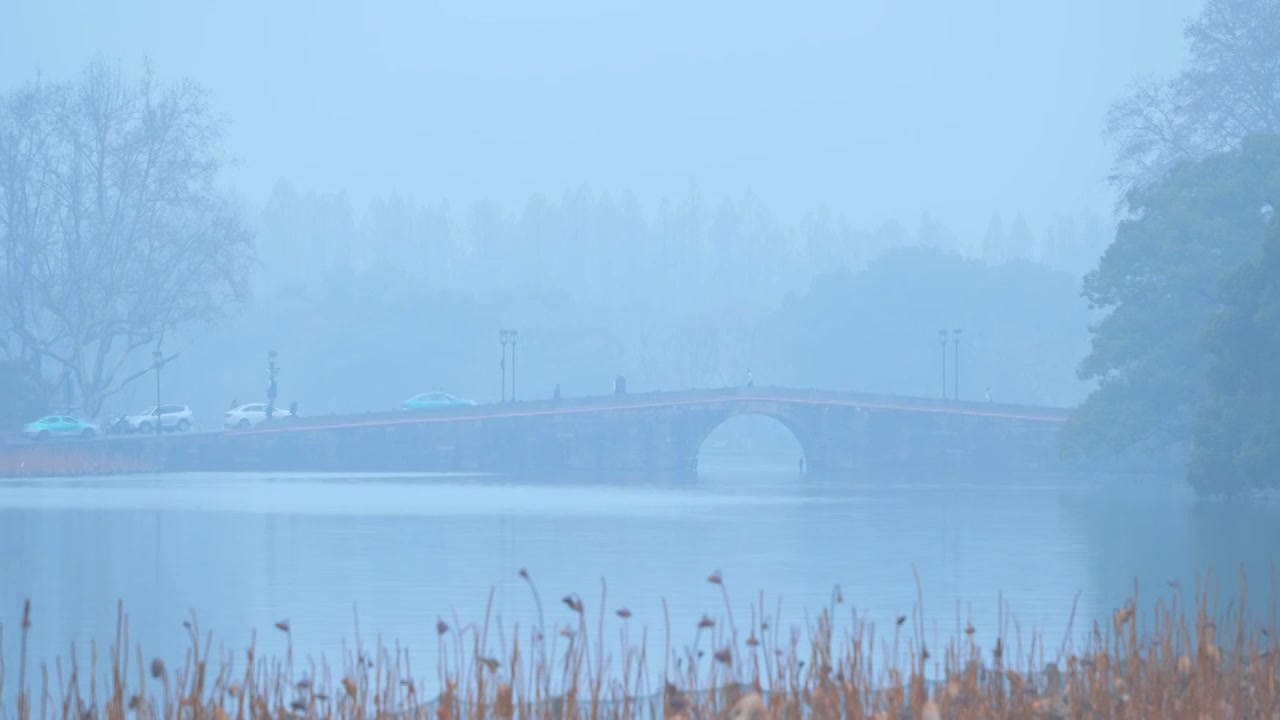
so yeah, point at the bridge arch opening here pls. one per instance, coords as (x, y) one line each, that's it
(751, 440)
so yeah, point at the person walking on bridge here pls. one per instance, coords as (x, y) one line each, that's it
(750, 380)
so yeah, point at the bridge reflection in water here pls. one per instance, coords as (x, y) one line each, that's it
(651, 432)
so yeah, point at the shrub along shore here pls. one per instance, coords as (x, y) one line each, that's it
(1184, 658)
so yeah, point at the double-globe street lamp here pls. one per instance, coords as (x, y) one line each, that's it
(508, 337)
(272, 370)
(943, 338)
(157, 359)
(66, 387)
(955, 336)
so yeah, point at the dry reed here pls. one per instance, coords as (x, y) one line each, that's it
(1183, 659)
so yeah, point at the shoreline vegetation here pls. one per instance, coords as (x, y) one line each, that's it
(1186, 658)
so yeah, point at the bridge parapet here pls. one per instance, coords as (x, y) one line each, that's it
(657, 431)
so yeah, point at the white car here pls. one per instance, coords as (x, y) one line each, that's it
(251, 415)
(165, 417)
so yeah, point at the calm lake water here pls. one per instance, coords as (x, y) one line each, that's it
(244, 551)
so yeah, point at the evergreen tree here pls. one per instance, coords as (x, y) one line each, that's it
(1157, 282)
(1237, 432)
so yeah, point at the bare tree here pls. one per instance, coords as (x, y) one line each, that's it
(114, 229)
(1229, 88)
(28, 125)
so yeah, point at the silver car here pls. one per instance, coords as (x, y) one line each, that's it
(164, 417)
(252, 415)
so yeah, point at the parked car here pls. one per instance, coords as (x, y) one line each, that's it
(167, 417)
(251, 415)
(429, 400)
(58, 426)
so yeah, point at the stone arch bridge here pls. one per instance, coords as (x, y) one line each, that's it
(647, 432)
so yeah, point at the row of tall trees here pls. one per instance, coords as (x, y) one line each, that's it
(609, 249)
(112, 229)
(1185, 355)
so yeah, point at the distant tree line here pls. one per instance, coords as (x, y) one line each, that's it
(606, 249)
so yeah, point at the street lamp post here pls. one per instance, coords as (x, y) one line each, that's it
(156, 357)
(942, 338)
(66, 387)
(272, 369)
(955, 336)
(504, 337)
(515, 335)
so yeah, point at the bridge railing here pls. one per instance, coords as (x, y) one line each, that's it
(602, 402)
(634, 400)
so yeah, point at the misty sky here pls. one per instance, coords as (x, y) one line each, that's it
(879, 108)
